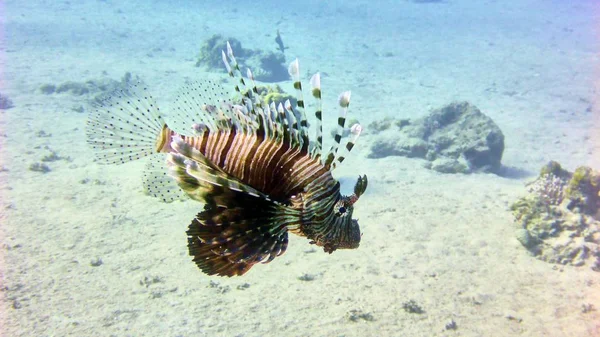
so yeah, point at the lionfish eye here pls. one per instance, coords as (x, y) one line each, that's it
(341, 208)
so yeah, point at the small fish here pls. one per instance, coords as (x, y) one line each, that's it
(254, 166)
(279, 42)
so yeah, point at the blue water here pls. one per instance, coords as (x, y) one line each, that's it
(86, 253)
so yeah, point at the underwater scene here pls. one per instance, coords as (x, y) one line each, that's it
(305, 168)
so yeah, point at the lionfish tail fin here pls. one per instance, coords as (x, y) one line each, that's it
(125, 126)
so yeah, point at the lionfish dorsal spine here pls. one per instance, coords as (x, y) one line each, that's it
(226, 63)
(355, 131)
(315, 84)
(283, 122)
(273, 119)
(292, 123)
(253, 94)
(267, 121)
(344, 102)
(233, 69)
(294, 71)
(282, 119)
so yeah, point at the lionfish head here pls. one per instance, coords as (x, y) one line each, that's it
(347, 231)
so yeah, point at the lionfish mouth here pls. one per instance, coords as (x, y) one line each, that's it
(354, 236)
(348, 240)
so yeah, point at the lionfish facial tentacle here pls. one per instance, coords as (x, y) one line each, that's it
(361, 186)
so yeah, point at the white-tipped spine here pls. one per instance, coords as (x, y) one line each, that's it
(291, 119)
(344, 100)
(227, 66)
(315, 81)
(230, 53)
(294, 69)
(355, 131)
(315, 85)
(301, 129)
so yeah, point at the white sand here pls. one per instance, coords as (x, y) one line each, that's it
(444, 241)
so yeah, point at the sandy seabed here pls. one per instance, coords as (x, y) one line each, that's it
(85, 253)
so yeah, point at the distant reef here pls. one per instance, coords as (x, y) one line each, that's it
(558, 221)
(266, 66)
(5, 102)
(95, 89)
(457, 138)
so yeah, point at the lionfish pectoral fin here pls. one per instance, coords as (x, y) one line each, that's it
(228, 241)
(157, 181)
(203, 181)
(239, 226)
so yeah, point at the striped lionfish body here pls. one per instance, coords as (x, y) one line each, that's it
(253, 166)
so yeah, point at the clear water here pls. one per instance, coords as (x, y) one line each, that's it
(86, 253)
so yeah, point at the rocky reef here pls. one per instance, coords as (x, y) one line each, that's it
(266, 66)
(457, 138)
(97, 88)
(5, 102)
(559, 220)
(274, 94)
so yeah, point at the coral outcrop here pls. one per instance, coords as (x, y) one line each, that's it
(559, 220)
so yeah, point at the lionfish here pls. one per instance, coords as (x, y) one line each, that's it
(252, 164)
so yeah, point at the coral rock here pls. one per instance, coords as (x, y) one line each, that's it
(458, 133)
(559, 219)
